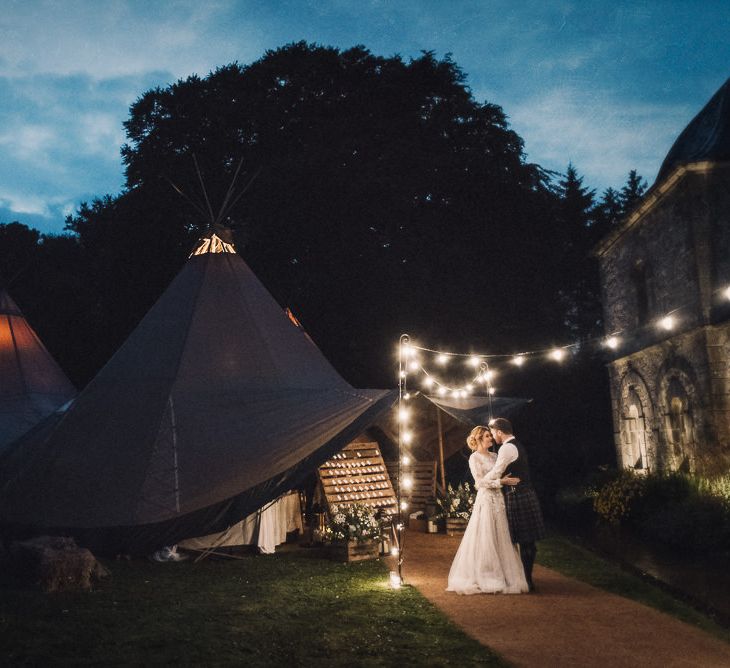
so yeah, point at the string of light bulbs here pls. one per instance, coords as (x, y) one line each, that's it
(483, 374)
(410, 363)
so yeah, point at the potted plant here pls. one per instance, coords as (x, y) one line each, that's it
(455, 506)
(353, 532)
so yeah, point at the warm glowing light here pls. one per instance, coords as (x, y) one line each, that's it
(407, 396)
(404, 505)
(395, 581)
(441, 391)
(403, 414)
(558, 354)
(402, 374)
(407, 482)
(407, 437)
(667, 323)
(492, 390)
(469, 388)
(394, 551)
(727, 292)
(518, 360)
(405, 460)
(428, 381)
(408, 350)
(475, 361)
(442, 359)
(612, 342)
(413, 365)
(488, 375)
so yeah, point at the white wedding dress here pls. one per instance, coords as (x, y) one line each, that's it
(487, 562)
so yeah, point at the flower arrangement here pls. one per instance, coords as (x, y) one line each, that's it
(456, 502)
(355, 522)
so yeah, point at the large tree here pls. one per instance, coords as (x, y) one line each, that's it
(386, 198)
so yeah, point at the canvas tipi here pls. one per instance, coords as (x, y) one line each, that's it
(32, 385)
(215, 405)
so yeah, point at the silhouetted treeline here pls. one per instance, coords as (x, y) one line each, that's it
(385, 199)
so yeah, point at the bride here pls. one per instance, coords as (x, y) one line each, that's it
(487, 561)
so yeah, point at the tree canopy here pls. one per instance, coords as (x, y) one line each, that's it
(386, 199)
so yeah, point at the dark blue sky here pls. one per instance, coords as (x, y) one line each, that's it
(606, 85)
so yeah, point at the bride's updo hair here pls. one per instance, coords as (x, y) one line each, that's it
(472, 440)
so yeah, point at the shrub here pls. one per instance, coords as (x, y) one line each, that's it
(457, 502)
(615, 500)
(352, 522)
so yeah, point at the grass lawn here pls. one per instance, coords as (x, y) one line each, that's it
(569, 558)
(291, 609)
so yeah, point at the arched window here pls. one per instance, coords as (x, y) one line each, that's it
(635, 433)
(679, 423)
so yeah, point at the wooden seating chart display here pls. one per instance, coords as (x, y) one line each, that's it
(357, 475)
(423, 490)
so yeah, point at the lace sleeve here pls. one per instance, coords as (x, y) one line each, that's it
(477, 468)
(487, 479)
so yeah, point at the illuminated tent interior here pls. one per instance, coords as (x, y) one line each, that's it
(32, 385)
(216, 404)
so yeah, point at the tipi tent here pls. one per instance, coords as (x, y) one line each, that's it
(215, 405)
(31, 383)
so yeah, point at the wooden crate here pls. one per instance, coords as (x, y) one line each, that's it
(357, 474)
(353, 551)
(424, 483)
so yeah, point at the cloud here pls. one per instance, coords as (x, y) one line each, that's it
(117, 39)
(601, 133)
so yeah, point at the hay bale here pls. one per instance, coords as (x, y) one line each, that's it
(55, 563)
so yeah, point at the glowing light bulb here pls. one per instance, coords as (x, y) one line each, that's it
(558, 354)
(402, 374)
(413, 365)
(395, 582)
(455, 394)
(442, 359)
(488, 375)
(407, 396)
(727, 292)
(403, 415)
(441, 391)
(407, 437)
(612, 342)
(518, 360)
(405, 460)
(492, 390)
(428, 381)
(475, 361)
(408, 350)
(404, 505)
(667, 323)
(407, 482)
(469, 388)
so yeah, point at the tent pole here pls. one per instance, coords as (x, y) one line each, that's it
(441, 450)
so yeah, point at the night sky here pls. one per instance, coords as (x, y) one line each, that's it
(606, 85)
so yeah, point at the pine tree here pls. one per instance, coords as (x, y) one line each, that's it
(632, 192)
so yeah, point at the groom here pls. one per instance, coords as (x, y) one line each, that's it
(523, 508)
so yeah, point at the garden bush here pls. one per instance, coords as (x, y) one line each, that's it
(686, 512)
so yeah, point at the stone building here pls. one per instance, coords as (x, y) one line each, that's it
(665, 281)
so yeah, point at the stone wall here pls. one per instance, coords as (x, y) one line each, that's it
(671, 389)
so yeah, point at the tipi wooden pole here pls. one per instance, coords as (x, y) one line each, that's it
(441, 450)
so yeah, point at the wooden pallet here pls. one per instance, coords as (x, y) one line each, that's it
(357, 474)
(423, 490)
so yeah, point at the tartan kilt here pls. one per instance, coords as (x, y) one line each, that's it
(524, 515)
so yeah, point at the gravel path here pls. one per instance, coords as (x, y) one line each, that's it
(565, 623)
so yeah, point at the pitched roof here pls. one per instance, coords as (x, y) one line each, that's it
(706, 138)
(214, 405)
(32, 385)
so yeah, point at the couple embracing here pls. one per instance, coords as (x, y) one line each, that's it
(498, 548)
